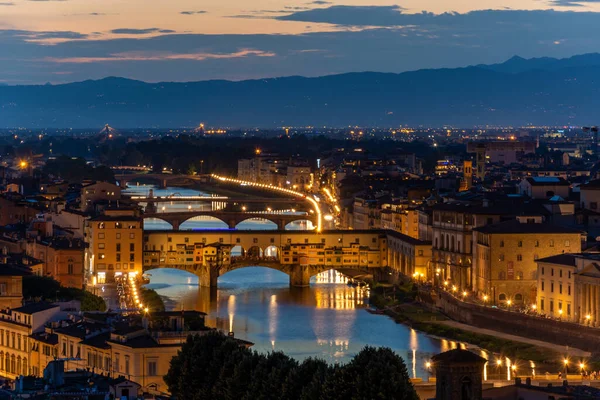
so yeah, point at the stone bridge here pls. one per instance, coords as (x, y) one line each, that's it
(232, 219)
(163, 180)
(300, 254)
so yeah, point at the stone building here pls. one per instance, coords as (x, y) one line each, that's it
(505, 255)
(459, 375)
(569, 287)
(115, 245)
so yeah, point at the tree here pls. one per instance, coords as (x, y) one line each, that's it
(214, 366)
(374, 373)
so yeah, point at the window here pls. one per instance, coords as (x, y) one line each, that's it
(567, 243)
(502, 243)
(537, 243)
(127, 365)
(551, 306)
(502, 297)
(118, 247)
(569, 290)
(101, 245)
(70, 269)
(118, 235)
(551, 287)
(101, 236)
(568, 309)
(132, 247)
(569, 274)
(118, 257)
(186, 240)
(560, 273)
(551, 271)
(101, 256)
(131, 257)
(551, 243)
(101, 225)
(117, 364)
(420, 252)
(519, 257)
(542, 270)
(152, 371)
(542, 304)
(132, 236)
(520, 244)
(501, 257)
(560, 288)
(542, 285)
(237, 240)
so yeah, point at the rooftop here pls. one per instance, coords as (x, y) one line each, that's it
(547, 180)
(458, 356)
(34, 308)
(515, 226)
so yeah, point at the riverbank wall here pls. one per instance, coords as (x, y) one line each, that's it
(519, 324)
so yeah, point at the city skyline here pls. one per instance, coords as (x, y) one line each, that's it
(66, 41)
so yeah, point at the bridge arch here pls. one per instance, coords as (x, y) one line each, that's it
(300, 224)
(267, 224)
(157, 224)
(203, 222)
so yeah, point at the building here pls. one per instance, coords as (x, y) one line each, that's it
(62, 257)
(139, 350)
(366, 214)
(542, 187)
(16, 327)
(14, 210)
(98, 192)
(590, 195)
(451, 230)
(505, 257)
(114, 246)
(458, 375)
(11, 285)
(570, 283)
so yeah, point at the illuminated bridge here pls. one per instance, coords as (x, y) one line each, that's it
(299, 254)
(232, 219)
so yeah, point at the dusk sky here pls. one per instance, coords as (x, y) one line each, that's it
(185, 40)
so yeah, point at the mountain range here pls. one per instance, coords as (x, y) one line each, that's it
(518, 92)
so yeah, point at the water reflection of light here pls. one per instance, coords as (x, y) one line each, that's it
(231, 311)
(485, 355)
(340, 297)
(338, 347)
(273, 319)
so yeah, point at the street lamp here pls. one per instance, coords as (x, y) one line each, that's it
(499, 362)
(560, 313)
(485, 298)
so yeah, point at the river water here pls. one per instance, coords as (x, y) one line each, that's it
(327, 320)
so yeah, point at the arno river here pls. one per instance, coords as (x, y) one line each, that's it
(327, 320)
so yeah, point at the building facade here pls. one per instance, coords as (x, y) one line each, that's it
(505, 257)
(114, 246)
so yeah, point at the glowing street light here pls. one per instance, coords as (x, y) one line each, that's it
(499, 362)
(485, 297)
(23, 164)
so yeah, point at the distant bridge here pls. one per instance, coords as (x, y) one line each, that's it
(163, 180)
(232, 219)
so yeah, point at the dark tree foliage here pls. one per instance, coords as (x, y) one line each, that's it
(75, 170)
(214, 366)
(152, 300)
(47, 289)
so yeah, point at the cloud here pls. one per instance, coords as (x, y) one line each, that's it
(572, 3)
(320, 2)
(164, 56)
(131, 31)
(193, 12)
(6, 4)
(400, 42)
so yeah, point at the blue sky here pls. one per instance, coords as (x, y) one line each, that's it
(186, 40)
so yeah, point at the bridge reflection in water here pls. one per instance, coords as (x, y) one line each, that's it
(326, 320)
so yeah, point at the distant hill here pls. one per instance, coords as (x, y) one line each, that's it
(540, 91)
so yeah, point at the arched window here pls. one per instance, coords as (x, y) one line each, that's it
(13, 364)
(7, 363)
(518, 297)
(18, 365)
(25, 367)
(502, 297)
